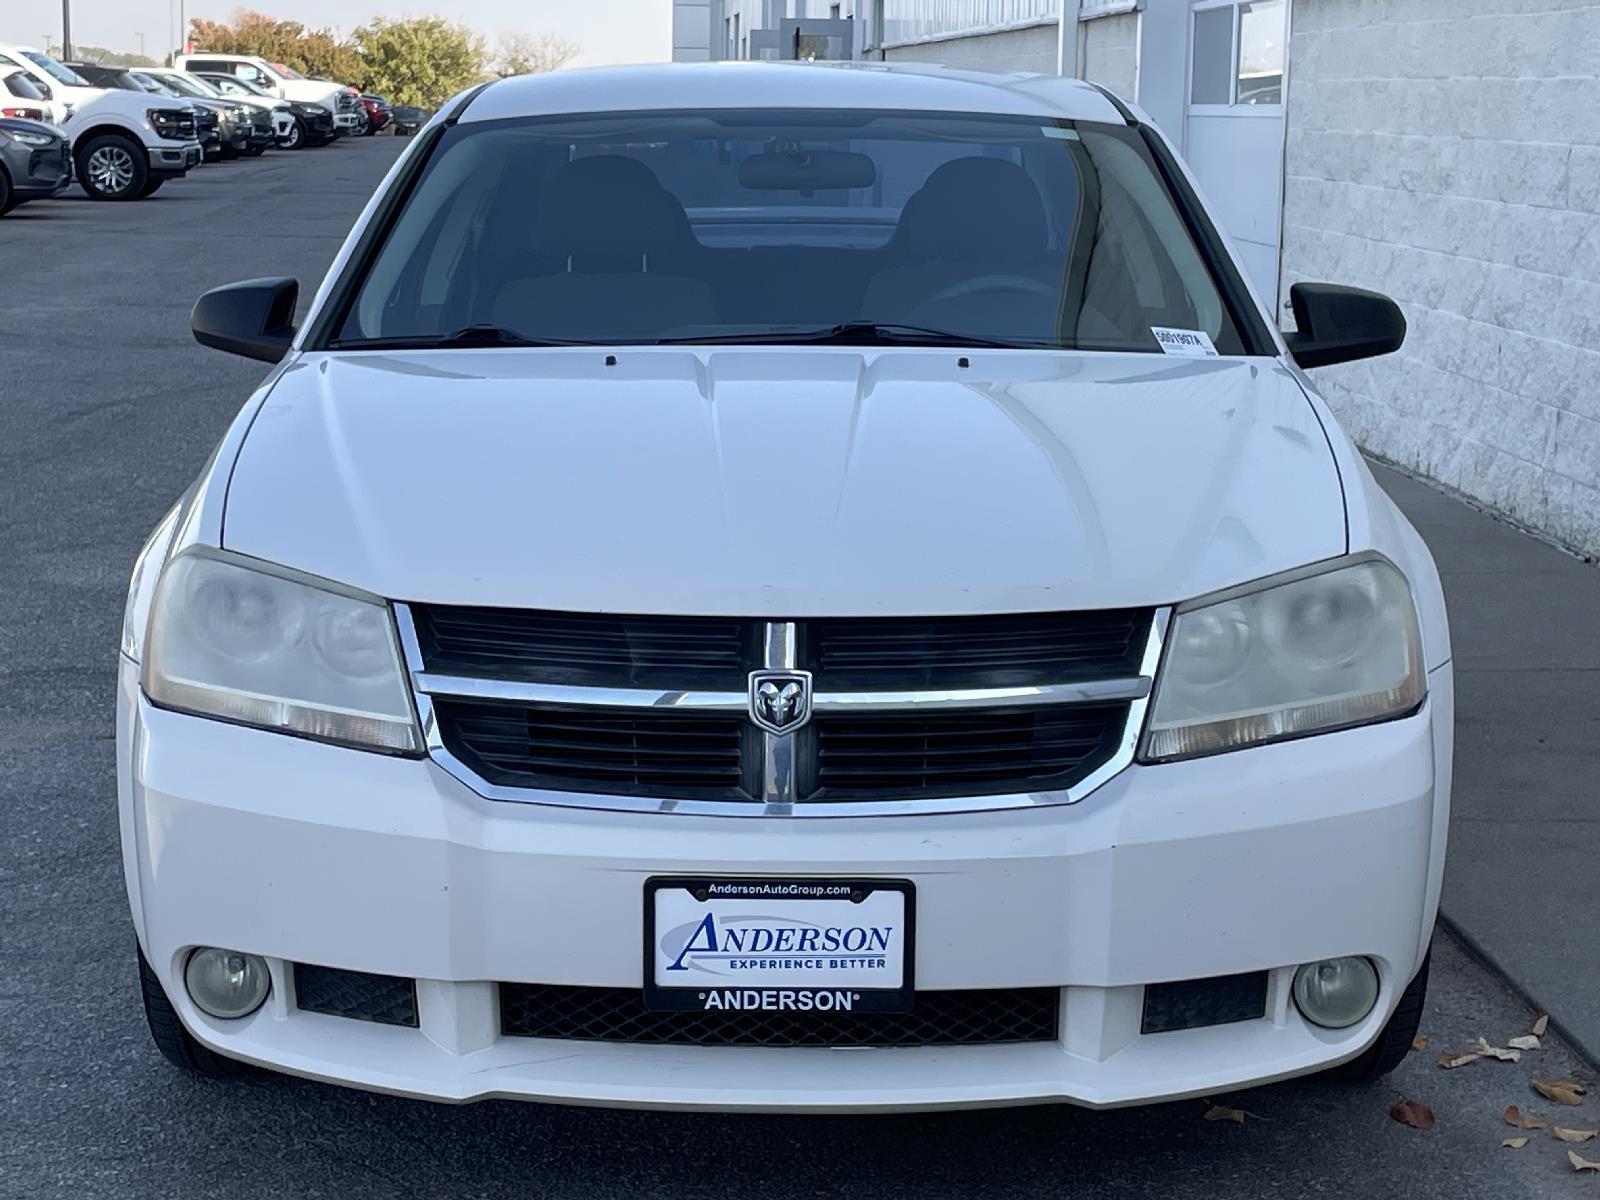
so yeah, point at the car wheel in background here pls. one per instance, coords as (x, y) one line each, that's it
(112, 167)
(363, 124)
(177, 1044)
(295, 138)
(7, 196)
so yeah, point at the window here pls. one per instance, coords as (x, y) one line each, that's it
(57, 71)
(706, 226)
(1237, 53)
(1261, 53)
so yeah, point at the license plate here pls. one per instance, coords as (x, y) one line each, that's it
(778, 945)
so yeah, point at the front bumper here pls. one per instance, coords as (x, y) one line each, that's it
(170, 162)
(1258, 860)
(42, 172)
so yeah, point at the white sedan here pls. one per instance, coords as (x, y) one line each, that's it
(744, 563)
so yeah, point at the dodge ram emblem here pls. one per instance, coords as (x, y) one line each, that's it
(780, 701)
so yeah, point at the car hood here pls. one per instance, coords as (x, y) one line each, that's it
(771, 482)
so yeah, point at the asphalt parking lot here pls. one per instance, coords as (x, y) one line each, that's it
(107, 410)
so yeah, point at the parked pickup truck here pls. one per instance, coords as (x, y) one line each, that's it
(125, 145)
(282, 82)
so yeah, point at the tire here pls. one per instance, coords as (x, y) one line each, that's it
(363, 124)
(8, 199)
(151, 187)
(175, 1042)
(1394, 1043)
(112, 167)
(295, 138)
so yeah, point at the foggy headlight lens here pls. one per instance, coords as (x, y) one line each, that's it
(1310, 654)
(279, 651)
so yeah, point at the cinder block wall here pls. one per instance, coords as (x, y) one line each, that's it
(1111, 52)
(1448, 152)
(1031, 49)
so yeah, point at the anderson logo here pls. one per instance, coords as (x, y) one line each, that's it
(766, 943)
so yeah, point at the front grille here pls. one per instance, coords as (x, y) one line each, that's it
(615, 751)
(889, 755)
(385, 999)
(961, 1018)
(891, 722)
(586, 649)
(1027, 648)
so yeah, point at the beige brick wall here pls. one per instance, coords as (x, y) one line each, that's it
(1110, 52)
(1448, 152)
(1031, 49)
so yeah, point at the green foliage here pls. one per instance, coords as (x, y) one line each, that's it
(410, 60)
(418, 60)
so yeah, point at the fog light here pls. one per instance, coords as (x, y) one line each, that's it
(1336, 992)
(226, 983)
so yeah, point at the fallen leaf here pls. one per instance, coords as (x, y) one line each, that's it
(1413, 1113)
(1218, 1112)
(1419, 1042)
(1540, 1024)
(1516, 1143)
(1498, 1052)
(1451, 1061)
(1573, 1135)
(1518, 1119)
(1562, 1091)
(1527, 1041)
(1579, 1163)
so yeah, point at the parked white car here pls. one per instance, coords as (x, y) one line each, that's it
(740, 561)
(247, 93)
(64, 89)
(281, 82)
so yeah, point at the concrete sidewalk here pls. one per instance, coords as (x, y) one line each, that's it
(1522, 882)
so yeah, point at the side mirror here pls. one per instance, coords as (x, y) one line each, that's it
(254, 318)
(1341, 324)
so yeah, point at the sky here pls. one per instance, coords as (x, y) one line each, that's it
(610, 31)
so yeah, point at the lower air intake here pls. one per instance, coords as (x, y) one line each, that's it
(963, 1018)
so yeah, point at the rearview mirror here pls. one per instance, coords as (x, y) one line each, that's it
(807, 171)
(1341, 324)
(254, 318)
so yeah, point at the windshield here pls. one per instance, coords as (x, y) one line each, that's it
(56, 70)
(287, 72)
(791, 225)
(189, 86)
(156, 87)
(237, 87)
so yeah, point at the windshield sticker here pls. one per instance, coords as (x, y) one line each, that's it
(1196, 343)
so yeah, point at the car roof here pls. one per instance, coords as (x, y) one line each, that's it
(913, 87)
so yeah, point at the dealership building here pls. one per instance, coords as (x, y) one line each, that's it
(1446, 152)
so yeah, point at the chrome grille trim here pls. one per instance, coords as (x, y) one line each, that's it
(469, 687)
(778, 766)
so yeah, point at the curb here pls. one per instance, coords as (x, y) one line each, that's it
(1479, 953)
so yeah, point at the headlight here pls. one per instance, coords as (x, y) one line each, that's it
(164, 121)
(271, 648)
(29, 139)
(1309, 652)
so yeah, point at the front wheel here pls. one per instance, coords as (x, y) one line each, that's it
(112, 167)
(177, 1045)
(1394, 1043)
(151, 187)
(295, 137)
(7, 196)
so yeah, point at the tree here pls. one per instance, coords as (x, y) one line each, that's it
(532, 53)
(317, 52)
(418, 60)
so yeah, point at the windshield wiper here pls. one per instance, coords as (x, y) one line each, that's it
(466, 338)
(850, 333)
